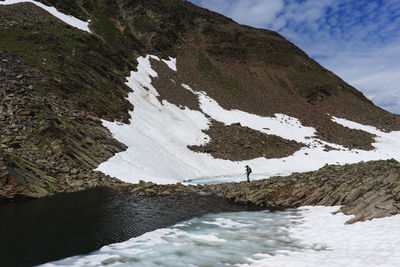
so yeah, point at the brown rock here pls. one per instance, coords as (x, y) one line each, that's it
(27, 113)
(6, 140)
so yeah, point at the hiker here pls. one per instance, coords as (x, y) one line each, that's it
(248, 171)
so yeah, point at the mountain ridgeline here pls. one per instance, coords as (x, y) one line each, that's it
(58, 82)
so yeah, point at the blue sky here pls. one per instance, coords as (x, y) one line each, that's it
(358, 40)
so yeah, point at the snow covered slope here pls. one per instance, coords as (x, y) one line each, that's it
(159, 133)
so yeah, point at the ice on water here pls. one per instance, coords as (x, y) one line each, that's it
(225, 179)
(309, 236)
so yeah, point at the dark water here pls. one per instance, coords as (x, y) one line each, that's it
(39, 231)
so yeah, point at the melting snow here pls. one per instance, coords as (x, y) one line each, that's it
(70, 20)
(159, 132)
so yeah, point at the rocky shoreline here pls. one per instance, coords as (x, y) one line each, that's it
(367, 190)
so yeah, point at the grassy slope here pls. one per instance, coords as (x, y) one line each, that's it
(78, 67)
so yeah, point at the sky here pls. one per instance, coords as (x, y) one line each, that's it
(358, 40)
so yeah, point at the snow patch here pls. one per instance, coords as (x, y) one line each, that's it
(171, 63)
(281, 125)
(70, 20)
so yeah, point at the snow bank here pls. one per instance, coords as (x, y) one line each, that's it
(329, 242)
(70, 20)
(159, 132)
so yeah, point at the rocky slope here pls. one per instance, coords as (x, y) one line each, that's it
(236, 142)
(57, 82)
(50, 143)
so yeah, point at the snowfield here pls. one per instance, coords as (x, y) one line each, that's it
(159, 133)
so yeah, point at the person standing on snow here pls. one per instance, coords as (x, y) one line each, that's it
(248, 171)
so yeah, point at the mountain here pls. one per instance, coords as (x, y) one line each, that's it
(62, 85)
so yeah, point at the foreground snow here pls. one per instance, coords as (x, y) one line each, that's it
(309, 236)
(330, 242)
(70, 20)
(159, 133)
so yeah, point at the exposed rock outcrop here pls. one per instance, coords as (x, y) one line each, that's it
(47, 144)
(236, 142)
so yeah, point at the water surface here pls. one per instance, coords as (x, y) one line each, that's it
(38, 231)
(236, 178)
(222, 239)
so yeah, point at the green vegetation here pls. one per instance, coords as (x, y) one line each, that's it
(205, 66)
(85, 139)
(78, 67)
(169, 3)
(37, 182)
(106, 28)
(146, 23)
(313, 85)
(282, 83)
(223, 81)
(83, 9)
(76, 8)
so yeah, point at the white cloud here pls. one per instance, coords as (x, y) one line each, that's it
(256, 13)
(389, 100)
